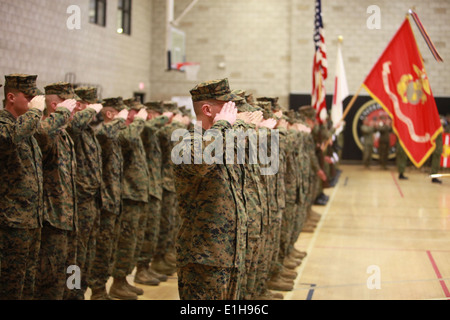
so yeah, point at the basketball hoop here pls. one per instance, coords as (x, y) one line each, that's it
(190, 68)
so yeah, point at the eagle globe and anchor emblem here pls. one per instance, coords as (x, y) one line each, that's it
(412, 90)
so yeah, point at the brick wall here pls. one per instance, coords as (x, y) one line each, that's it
(266, 45)
(35, 40)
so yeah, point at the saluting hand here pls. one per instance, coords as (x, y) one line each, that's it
(69, 104)
(122, 115)
(37, 102)
(228, 113)
(142, 114)
(97, 107)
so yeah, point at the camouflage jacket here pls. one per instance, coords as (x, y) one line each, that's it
(368, 132)
(269, 181)
(135, 170)
(21, 190)
(213, 219)
(164, 135)
(112, 165)
(60, 167)
(254, 192)
(281, 175)
(154, 154)
(292, 166)
(88, 154)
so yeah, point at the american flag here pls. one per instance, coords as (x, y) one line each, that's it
(320, 68)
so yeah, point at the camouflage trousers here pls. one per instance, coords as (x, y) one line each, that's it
(367, 154)
(19, 253)
(401, 159)
(131, 237)
(167, 224)
(151, 232)
(275, 236)
(287, 229)
(436, 155)
(248, 287)
(383, 151)
(270, 246)
(53, 263)
(107, 239)
(201, 282)
(88, 211)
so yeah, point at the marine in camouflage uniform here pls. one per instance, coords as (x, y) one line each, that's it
(292, 182)
(255, 199)
(60, 218)
(309, 174)
(436, 157)
(154, 161)
(169, 216)
(273, 221)
(401, 161)
(367, 130)
(112, 179)
(211, 242)
(88, 182)
(21, 191)
(135, 201)
(384, 142)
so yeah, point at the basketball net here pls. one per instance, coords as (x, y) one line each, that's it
(191, 69)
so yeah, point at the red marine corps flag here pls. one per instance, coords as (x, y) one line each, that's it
(399, 83)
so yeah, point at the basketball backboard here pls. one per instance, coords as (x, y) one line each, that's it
(176, 54)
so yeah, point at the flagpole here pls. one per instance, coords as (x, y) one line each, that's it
(350, 104)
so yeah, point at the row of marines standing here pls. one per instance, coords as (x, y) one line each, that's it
(83, 195)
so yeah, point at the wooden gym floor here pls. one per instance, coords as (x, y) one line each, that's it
(379, 239)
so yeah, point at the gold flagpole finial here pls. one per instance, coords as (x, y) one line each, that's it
(341, 39)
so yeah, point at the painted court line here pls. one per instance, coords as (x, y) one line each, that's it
(374, 249)
(396, 183)
(438, 274)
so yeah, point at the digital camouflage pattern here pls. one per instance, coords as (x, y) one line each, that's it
(109, 225)
(213, 225)
(155, 106)
(203, 282)
(88, 154)
(19, 256)
(21, 201)
(88, 184)
(115, 103)
(64, 90)
(24, 83)
(112, 165)
(59, 167)
(135, 170)
(87, 94)
(150, 138)
(214, 90)
(256, 210)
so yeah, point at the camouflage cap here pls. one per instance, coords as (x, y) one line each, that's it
(155, 106)
(64, 90)
(115, 103)
(273, 101)
(185, 112)
(266, 109)
(250, 99)
(133, 104)
(24, 83)
(308, 112)
(170, 106)
(213, 90)
(88, 94)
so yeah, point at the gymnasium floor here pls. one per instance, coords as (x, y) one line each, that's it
(379, 239)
